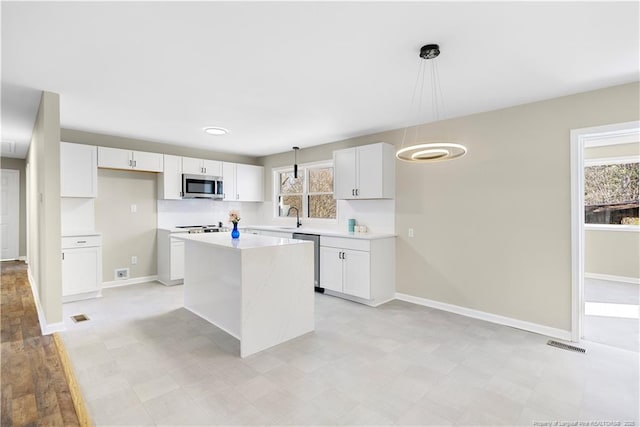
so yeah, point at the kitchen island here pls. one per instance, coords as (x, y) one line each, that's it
(258, 289)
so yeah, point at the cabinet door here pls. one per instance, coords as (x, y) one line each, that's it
(357, 279)
(114, 158)
(229, 181)
(369, 167)
(344, 179)
(78, 170)
(177, 260)
(192, 166)
(80, 271)
(331, 268)
(249, 183)
(170, 180)
(149, 162)
(212, 167)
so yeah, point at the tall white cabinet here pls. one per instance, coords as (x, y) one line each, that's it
(78, 170)
(365, 172)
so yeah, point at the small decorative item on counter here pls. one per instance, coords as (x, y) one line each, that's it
(234, 218)
(361, 228)
(351, 224)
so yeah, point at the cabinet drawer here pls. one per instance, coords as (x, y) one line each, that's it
(340, 242)
(81, 241)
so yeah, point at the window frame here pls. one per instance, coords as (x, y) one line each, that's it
(304, 215)
(606, 161)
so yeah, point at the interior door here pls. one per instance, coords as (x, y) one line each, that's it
(9, 212)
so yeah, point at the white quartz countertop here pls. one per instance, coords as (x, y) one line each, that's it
(246, 241)
(321, 232)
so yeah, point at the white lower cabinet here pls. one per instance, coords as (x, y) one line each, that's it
(81, 267)
(170, 259)
(358, 269)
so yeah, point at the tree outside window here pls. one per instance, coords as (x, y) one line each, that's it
(611, 193)
(311, 193)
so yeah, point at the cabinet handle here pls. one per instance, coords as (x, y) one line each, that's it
(353, 192)
(237, 196)
(130, 163)
(205, 170)
(357, 192)
(81, 241)
(63, 256)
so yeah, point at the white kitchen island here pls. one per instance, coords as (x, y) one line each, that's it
(259, 289)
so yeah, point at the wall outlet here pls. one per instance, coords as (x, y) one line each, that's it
(411, 232)
(134, 208)
(122, 273)
(134, 260)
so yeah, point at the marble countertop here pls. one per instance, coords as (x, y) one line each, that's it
(246, 241)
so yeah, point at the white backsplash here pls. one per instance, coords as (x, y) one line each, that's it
(377, 215)
(202, 211)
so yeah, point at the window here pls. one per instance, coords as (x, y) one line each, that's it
(311, 193)
(611, 193)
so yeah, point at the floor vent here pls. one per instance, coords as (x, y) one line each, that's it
(564, 346)
(79, 318)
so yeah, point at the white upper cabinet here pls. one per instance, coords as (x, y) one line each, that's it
(170, 180)
(250, 183)
(78, 170)
(229, 181)
(116, 158)
(365, 172)
(243, 183)
(195, 166)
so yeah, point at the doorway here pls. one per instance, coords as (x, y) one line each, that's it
(9, 213)
(606, 234)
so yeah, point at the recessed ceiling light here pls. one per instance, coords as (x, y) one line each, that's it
(214, 130)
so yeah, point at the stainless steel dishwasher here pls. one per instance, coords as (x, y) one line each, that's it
(316, 256)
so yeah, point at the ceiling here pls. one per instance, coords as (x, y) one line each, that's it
(296, 73)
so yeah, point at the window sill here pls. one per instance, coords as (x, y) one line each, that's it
(612, 227)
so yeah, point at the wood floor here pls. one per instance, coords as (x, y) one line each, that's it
(34, 390)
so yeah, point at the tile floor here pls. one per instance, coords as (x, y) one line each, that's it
(144, 360)
(615, 331)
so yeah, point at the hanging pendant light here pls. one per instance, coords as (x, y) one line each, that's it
(429, 151)
(295, 161)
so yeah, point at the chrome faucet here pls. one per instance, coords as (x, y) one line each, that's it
(298, 223)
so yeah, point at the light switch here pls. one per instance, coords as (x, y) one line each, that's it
(134, 208)
(411, 232)
(134, 260)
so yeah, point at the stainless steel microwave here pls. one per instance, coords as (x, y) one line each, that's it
(201, 187)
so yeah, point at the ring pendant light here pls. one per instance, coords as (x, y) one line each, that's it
(429, 152)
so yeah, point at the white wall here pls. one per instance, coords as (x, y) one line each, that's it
(43, 213)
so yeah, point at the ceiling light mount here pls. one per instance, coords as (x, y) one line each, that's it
(429, 51)
(429, 151)
(215, 130)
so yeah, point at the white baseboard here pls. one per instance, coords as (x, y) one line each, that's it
(624, 279)
(45, 328)
(127, 282)
(489, 317)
